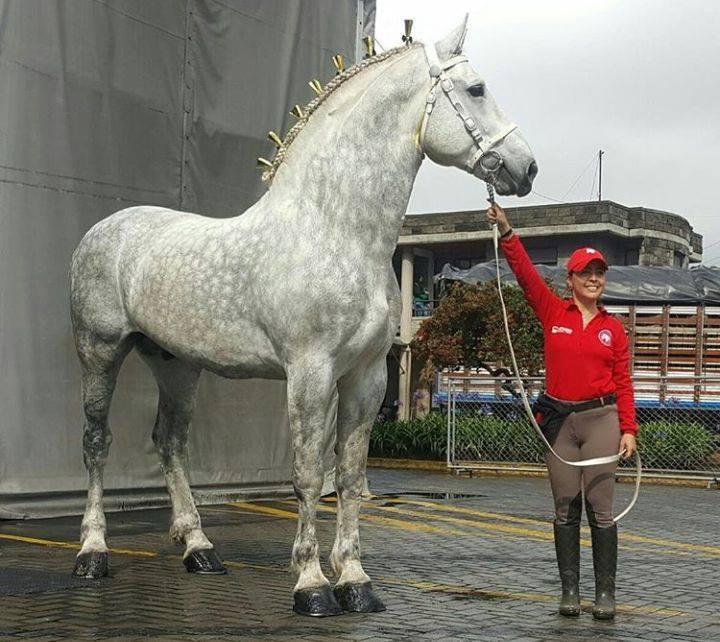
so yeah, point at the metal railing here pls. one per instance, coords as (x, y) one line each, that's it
(487, 427)
(423, 308)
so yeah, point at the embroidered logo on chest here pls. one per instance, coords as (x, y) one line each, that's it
(561, 329)
(605, 337)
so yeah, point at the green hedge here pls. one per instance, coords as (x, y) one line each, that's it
(663, 444)
(424, 438)
(680, 446)
(481, 438)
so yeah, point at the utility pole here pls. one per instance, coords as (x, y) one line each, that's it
(600, 155)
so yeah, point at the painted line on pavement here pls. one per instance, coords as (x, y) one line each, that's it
(469, 591)
(48, 543)
(382, 521)
(451, 589)
(680, 547)
(71, 545)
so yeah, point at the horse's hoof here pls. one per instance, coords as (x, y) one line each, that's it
(318, 601)
(91, 565)
(358, 598)
(204, 562)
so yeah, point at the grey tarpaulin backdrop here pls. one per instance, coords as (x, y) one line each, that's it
(110, 103)
(625, 283)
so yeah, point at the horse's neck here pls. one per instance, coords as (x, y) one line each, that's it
(347, 178)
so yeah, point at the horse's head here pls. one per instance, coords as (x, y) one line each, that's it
(463, 125)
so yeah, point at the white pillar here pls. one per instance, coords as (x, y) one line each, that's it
(404, 392)
(406, 295)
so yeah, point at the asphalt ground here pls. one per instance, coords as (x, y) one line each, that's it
(454, 558)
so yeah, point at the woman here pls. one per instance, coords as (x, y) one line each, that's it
(586, 364)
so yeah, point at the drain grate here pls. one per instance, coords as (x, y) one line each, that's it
(22, 581)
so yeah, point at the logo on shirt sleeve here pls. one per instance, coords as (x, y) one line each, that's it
(605, 337)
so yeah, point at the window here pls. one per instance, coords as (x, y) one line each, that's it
(678, 259)
(632, 257)
(460, 261)
(543, 255)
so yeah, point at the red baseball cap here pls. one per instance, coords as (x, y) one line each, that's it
(580, 258)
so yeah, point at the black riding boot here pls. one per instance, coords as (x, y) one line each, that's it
(604, 547)
(567, 549)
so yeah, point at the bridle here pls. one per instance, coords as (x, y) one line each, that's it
(490, 161)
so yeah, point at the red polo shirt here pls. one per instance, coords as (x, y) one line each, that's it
(580, 364)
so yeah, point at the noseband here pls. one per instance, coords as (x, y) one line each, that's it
(484, 145)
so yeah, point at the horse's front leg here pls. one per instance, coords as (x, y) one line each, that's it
(310, 389)
(360, 396)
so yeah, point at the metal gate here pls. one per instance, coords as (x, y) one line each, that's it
(487, 427)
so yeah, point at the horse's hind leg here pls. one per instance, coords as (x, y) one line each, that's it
(100, 362)
(310, 389)
(360, 394)
(177, 384)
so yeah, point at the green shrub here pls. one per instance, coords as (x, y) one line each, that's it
(424, 438)
(663, 444)
(680, 446)
(484, 438)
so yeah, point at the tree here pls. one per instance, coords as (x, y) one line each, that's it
(467, 329)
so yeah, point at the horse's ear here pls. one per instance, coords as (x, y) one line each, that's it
(452, 44)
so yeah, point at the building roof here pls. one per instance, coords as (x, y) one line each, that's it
(551, 220)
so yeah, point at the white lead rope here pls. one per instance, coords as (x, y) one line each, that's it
(586, 462)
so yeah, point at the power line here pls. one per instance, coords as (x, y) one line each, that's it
(579, 176)
(595, 174)
(712, 258)
(549, 198)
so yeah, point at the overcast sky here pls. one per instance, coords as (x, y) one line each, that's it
(639, 79)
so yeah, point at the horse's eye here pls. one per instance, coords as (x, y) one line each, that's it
(477, 91)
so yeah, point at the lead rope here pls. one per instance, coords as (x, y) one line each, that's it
(586, 462)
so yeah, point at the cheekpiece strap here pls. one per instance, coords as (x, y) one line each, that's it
(436, 69)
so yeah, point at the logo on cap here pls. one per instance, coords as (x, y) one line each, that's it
(605, 337)
(589, 250)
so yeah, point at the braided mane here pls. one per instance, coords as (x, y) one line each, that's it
(312, 106)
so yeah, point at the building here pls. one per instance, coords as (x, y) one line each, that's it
(625, 235)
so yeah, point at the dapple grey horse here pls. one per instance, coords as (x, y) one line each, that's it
(231, 295)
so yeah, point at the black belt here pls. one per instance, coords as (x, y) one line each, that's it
(550, 413)
(590, 404)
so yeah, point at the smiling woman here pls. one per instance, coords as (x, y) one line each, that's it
(586, 280)
(590, 399)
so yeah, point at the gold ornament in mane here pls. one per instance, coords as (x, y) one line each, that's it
(304, 114)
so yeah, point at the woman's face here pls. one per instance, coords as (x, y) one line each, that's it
(588, 285)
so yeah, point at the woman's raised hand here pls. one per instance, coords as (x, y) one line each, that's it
(496, 214)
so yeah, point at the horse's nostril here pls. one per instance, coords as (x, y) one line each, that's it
(532, 170)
